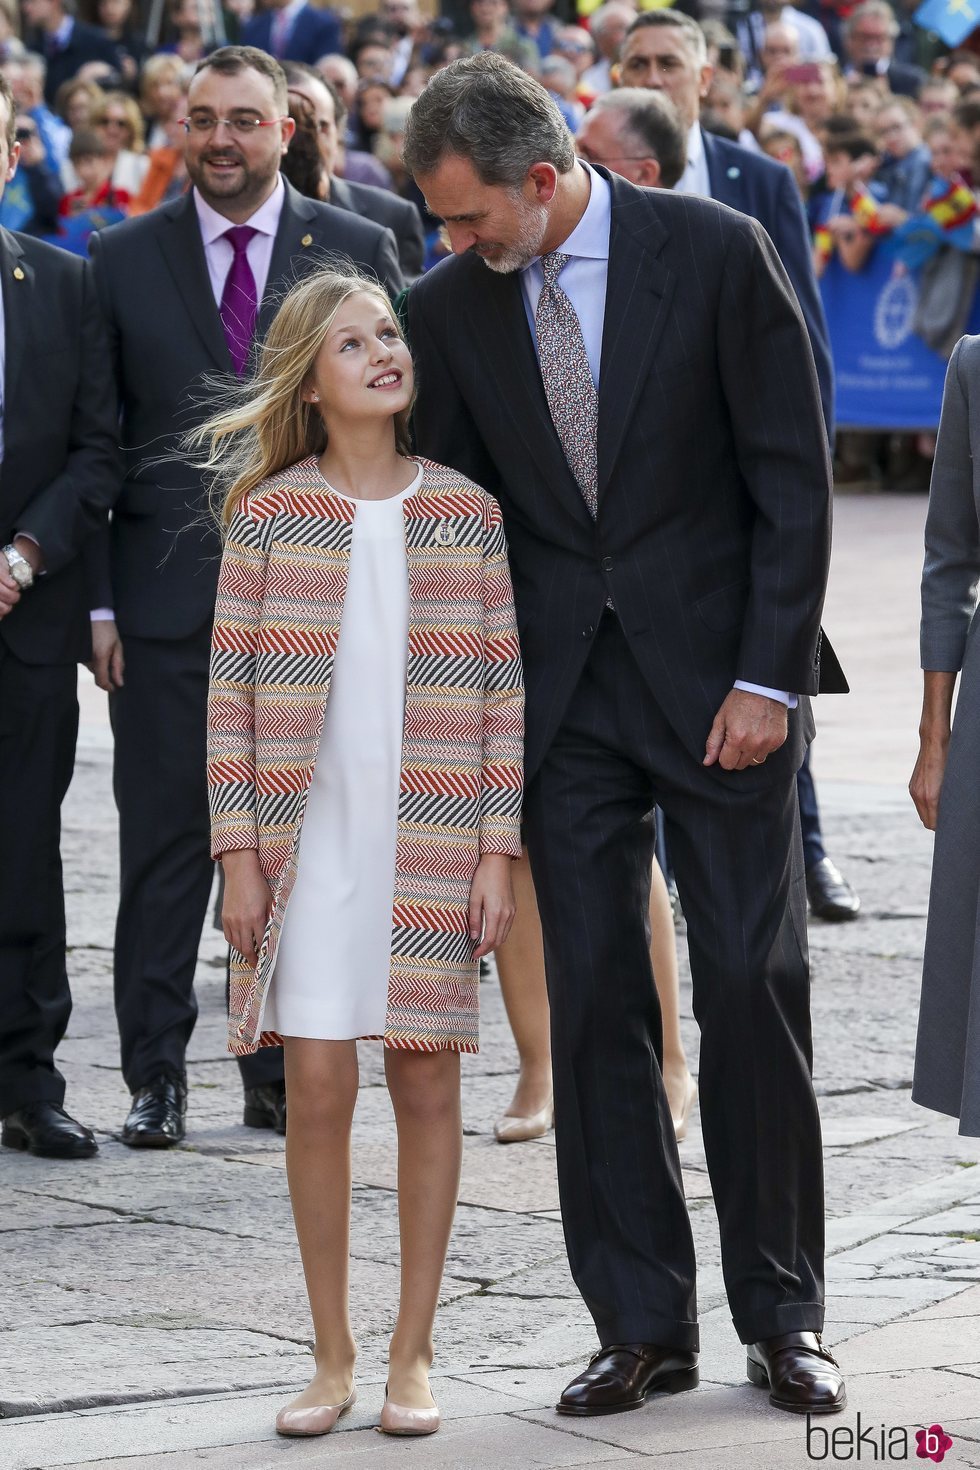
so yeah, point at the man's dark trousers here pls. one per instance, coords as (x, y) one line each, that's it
(739, 869)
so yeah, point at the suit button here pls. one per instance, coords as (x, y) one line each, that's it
(607, 563)
(587, 632)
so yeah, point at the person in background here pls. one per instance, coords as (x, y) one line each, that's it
(31, 200)
(372, 56)
(607, 27)
(166, 176)
(577, 47)
(117, 22)
(785, 148)
(493, 30)
(407, 25)
(946, 159)
(11, 46)
(117, 119)
(292, 30)
(937, 95)
(559, 78)
(903, 171)
(94, 164)
(401, 216)
(863, 97)
(846, 213)
(965, 123)
(161, 94)
(341, 73)
(637, 134)
(870, 32)
(186, 25)
(27, 83)
(58, 479)
(726, 103)
(751, 27)
(65, 43)
(373, 97)
(77, 101)
(534, 21)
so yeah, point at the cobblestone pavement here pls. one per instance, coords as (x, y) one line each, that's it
(153, 1310)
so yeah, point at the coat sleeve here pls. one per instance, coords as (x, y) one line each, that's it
(771, 388)
(951, 569)
(503, 705)
(231, 694)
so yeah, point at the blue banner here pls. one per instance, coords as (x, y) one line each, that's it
(886, 377)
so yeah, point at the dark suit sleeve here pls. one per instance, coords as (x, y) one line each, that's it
(73, 505)
(326, 39)
(793, 247)
(385, 264)
(411, 243)
(442, 426)
(771, 387)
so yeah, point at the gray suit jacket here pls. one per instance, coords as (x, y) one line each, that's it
(952, 559)
(167, 342)
(398, 215)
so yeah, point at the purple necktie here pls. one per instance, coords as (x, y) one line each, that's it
(239, 300)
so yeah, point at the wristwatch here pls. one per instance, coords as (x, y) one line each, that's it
(20, 568)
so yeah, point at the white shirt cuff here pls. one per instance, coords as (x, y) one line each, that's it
(784, 697)
(102, 615)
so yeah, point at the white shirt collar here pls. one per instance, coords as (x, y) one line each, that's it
(695, 145)
(265, 219)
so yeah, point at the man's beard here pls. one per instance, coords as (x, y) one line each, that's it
(532, 227)
(241, 185)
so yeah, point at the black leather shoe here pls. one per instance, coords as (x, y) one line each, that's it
(265, 1106)
(831, 896)
(802, 1376)
(623, 1376)
(156, 1119)
(43, 1129)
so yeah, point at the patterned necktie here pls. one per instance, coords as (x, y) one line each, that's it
(239, 300)
(567, 378)
(282, 25)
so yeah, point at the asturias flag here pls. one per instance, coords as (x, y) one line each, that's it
(953, 20)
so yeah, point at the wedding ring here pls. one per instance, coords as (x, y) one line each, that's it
(757, 763)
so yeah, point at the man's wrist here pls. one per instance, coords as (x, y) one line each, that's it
(29, 549)
(19, 567)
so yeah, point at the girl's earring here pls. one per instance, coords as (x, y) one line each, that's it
(314, 398)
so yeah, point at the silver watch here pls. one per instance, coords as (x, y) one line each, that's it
(20, 568)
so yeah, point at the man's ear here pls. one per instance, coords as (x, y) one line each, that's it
(649, 171)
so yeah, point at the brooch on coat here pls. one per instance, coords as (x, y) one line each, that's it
(445, 534)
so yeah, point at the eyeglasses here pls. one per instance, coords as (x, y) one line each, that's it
(242, 127)
(23, 134)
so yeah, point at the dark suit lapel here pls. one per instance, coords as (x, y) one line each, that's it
(299, 238)
(17, 284)
(638, 294)
(502, 335)
(179, 234)
(724, 174)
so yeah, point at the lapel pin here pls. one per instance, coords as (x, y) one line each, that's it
(18, 273)
(445, 534)
(734, 173)
(306, 240)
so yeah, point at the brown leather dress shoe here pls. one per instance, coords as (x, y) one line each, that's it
(802, 1375)
(621, 1377)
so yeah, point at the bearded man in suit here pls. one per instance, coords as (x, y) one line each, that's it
(187, 290)
(633, 379)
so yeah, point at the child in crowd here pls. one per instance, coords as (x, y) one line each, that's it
(366, 693)
(844, 213)
(93, 162)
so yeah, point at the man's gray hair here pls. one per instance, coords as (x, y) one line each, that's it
(605, 13)
(654, 122)
(676, 20)
(485, 109)
(878, 9)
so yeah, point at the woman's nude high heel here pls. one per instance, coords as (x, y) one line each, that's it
(511, 1129)
(690, 1096)
(318, 1420)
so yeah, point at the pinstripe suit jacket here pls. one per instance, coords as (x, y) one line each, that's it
(713, 531)
(280, 599)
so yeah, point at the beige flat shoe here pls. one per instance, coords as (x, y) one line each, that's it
(318, 1420)
(396, 1419)
(690, 1097)
(509, 1129)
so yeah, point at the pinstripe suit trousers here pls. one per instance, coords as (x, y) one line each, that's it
(739, 867)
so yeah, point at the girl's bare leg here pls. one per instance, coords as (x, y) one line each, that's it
(663, 956)
(520, 965)
(321, 1091)
(424, 1089)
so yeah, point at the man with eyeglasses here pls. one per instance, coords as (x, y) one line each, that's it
(381, 205)
(870, 32)
(636, 134)
(188, 290)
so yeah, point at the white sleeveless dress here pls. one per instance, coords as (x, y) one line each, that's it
(334, 958)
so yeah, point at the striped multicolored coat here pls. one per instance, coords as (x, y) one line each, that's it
(280, 598)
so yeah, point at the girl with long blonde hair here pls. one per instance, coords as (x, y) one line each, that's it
(366, 697)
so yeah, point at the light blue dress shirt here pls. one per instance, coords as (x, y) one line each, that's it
(583, 281)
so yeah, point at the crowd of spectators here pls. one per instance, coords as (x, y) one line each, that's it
(878, 122)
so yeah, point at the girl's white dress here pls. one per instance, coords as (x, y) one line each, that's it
(334, 958)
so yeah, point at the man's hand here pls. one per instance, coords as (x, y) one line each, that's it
(107, 655)
(492, 905)
(247, 903)
(9, 591)
(747, 728)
